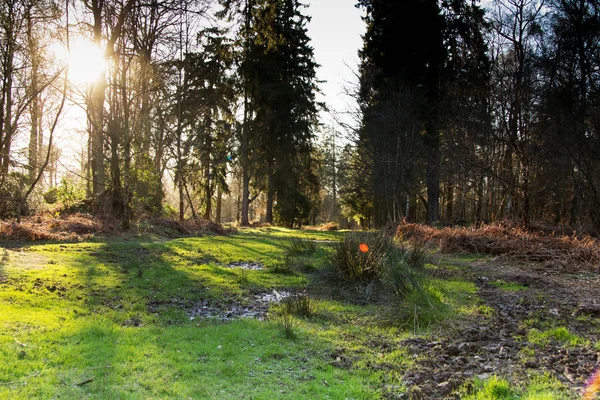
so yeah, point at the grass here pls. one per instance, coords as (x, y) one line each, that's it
(540, 387)
(560, 335)
(508, 286)
(79, 320)
(111, 318)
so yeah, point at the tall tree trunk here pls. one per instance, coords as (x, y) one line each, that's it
(433, 174)
(449, 201)
(6, 135)
(245, 147)
(218, 205)
(181, 197)
(270, 194)
(96, 116)
(35, 106)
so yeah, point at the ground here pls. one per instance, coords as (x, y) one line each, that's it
(198, 317)
(536, 322)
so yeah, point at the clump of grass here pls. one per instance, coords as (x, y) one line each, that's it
(508, 286)
(243, 275)
(286, 319)
(300, 305)
(494, 388)
(391, 273)
(353, 264)
(298, 257)
(559, 334)
(283, 267)
(297, 246)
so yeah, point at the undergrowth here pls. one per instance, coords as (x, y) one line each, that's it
(379, 268)
(564, 251)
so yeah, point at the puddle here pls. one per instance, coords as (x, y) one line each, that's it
(249, 265)
(256, 306)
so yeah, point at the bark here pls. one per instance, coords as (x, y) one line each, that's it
(270, 194)
(449, 201)
(218, 205)
(433, 174)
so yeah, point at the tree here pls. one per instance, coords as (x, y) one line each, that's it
(517, 28)
(407, 101)
(100, 11)
(208, 106)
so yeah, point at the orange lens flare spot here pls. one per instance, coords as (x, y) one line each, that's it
(363, 247)
(592, 389)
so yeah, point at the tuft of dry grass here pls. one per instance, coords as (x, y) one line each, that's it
(567, 252)
(71, 227)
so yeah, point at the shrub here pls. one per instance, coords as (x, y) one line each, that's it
(379, 268)
(568, 252)
(354, 265)
(299, 304)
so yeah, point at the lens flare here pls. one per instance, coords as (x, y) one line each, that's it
(592, 389)
(363, 247)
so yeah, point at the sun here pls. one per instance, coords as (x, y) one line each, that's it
(87, 63)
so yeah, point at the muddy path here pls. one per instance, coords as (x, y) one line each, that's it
(522, 302)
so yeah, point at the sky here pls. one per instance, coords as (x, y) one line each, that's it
(335, 29)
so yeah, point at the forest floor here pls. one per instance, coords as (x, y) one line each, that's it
(538, 325)
(197, 317)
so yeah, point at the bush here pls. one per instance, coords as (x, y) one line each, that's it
(379, 268)
(299, 304)
(354, 265)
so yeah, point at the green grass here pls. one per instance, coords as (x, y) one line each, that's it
(76, 321)
(540, 387)
(109, 319)
(560, 335)
(508, 286)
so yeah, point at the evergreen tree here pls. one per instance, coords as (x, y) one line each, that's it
(280, 75)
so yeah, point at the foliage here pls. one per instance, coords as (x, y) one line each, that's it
(353, 265)
(391, 273)
(67, 193)
(279, 73)
(559, 334)
(10, 194)
(298, 246)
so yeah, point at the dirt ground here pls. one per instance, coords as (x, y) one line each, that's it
(497, 344)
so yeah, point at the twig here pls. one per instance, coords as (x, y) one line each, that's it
(25, 345)
(36, 373)
(85, 382)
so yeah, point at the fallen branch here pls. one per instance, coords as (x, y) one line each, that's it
(593, 309)
(85, 382)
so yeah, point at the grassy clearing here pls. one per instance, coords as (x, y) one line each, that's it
(109, 320)
(112, 319)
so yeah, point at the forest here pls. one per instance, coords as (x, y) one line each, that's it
(183, 216)
(465, 113)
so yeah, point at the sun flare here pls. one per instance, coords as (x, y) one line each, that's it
(86, 61)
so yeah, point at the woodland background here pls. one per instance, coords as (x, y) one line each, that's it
(466, 113)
